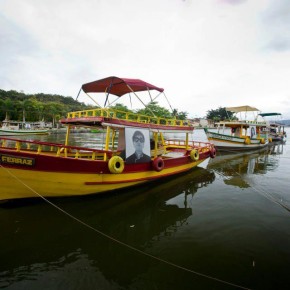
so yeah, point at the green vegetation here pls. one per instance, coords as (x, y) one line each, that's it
(220, 114)
(51, 108)
(153, 109)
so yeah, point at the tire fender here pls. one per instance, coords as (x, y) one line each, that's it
(194, 155)
(116, 164)
(213, 153)
(158, 164)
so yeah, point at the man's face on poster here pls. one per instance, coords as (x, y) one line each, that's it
(138, 141)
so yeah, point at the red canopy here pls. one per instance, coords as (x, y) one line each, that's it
(118, 86)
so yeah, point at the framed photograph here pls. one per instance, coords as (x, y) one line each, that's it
(253, 132)
(137, 145)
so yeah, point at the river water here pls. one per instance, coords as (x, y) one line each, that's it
(224, 225)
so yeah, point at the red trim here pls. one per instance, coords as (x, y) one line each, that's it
(54, 163)
(148, 125)
(84, 120)
(99, 120)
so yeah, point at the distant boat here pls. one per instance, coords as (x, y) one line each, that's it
(239, 134)
(275, 127)
(98, 130)
(13, 128)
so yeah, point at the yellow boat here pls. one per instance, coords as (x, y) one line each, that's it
(239, 134)
(137, 149)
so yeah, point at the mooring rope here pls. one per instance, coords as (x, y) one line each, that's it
(118, 241)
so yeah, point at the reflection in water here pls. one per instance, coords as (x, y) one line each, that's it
(194, 220)
(235, 166)
(41, 246)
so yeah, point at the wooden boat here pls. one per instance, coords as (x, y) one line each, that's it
(13, 128)
(274, 127)
(34, 168)
(239, 134)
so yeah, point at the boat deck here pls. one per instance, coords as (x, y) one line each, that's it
(171, 149)
(107, 116)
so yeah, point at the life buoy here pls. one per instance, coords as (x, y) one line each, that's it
(262, 140)
(62, 149)
(248, 141)
(116, 164)
(158, 164)
(194, 155)
(212, 153)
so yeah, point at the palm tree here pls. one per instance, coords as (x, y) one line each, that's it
(7, 108)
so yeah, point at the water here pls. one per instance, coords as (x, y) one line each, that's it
(224, 225)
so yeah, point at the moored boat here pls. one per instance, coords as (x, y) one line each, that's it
(14, 128)
(137, 148)
(274, 127)
(239, 134)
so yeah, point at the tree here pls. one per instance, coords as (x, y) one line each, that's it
(8, 108)
(155, 110)
(18, 106)
(220, 114)
(120, 107)
(179, 115)
(54, 111)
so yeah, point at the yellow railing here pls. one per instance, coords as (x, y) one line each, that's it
(128, 116)
(59, 150)
(176, 143)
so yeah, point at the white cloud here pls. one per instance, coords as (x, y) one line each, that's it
(205, 53)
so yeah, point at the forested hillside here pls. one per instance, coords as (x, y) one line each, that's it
(50, 108)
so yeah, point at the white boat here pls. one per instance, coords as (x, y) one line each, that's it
(239, 133)
(275, 127)
(13, 128)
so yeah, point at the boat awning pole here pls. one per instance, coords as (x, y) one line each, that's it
(107, 143)
(108, 92)
(168, 102)
(155, 136)
(93, 100)
(67, 135)
(140, 100)
(78, 94)
(88, 96)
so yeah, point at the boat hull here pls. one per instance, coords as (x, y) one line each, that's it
(224, 141)
(26, 175)
(276, 138)
(7, 132)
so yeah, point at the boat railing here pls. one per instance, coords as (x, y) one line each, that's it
(56, 149)
(181, 144)
(263, 123)
(128, 116)
(255, 122)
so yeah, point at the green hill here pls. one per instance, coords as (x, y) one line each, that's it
(34, 107)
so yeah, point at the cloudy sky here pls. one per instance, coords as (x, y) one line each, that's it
(206, 54)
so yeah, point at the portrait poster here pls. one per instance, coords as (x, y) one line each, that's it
(253, 132)
(137, 145)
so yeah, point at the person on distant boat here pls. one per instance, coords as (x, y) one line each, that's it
(253, 132)
(138, 156)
